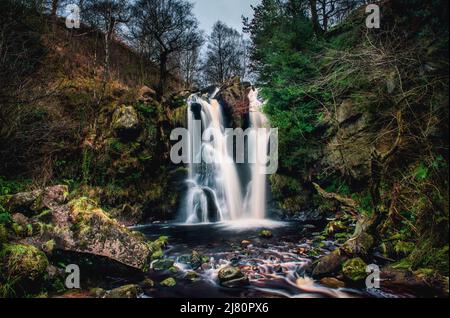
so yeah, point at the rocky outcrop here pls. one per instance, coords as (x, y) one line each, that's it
(126, 123)
(347, 149)
(233, 96)
(76, 226)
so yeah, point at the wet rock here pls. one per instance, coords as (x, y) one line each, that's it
(266, 234)
(355, 269)
(232, 277)
(169, 282)
(192, 276)
(97, 292)
(147, 285)
(127, 291)
(163, 264)
(329, 263)
(126, 123)
(196, 260)
(332, 282)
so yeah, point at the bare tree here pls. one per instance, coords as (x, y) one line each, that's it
(224, 55)
(167, 28)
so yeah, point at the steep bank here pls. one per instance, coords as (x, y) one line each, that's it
(363, 119)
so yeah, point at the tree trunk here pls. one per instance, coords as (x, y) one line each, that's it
(53, 13)
(315, 18)
(162, 74)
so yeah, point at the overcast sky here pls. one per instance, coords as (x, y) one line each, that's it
(209, 12)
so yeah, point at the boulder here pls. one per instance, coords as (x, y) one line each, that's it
(126, 123)
(329, 263)
(80, 226)
(232, 277)
(169, 282)
(127, 291)
(162, 264)
(355, 270)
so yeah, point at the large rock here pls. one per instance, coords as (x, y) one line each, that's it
(146, 94)
(329, 264)
(81, 226)
(126, 123)
(232, 277)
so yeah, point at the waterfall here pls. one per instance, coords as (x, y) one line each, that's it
(256, 197)
(214, 188)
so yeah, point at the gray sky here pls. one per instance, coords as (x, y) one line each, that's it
(209, 12)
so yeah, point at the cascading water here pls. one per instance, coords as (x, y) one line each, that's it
(215, 191)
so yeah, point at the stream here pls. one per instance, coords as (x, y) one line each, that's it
(275, 266)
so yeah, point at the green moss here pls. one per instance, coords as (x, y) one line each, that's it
(265, 234)
(157, 255)
(21, 264)
(169, 282)
(3, 234)
(355, 269)
(48, 246)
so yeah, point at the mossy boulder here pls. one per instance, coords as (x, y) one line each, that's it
(127, 291)
(197, 260)
(22, 265)
(266, 234)
(81, 226)
(232, 277)
(162, 264)
(355, 269)
(169, 282)
(126, 123)
(329, 264)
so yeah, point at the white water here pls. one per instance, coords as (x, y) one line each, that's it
(215, 190)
